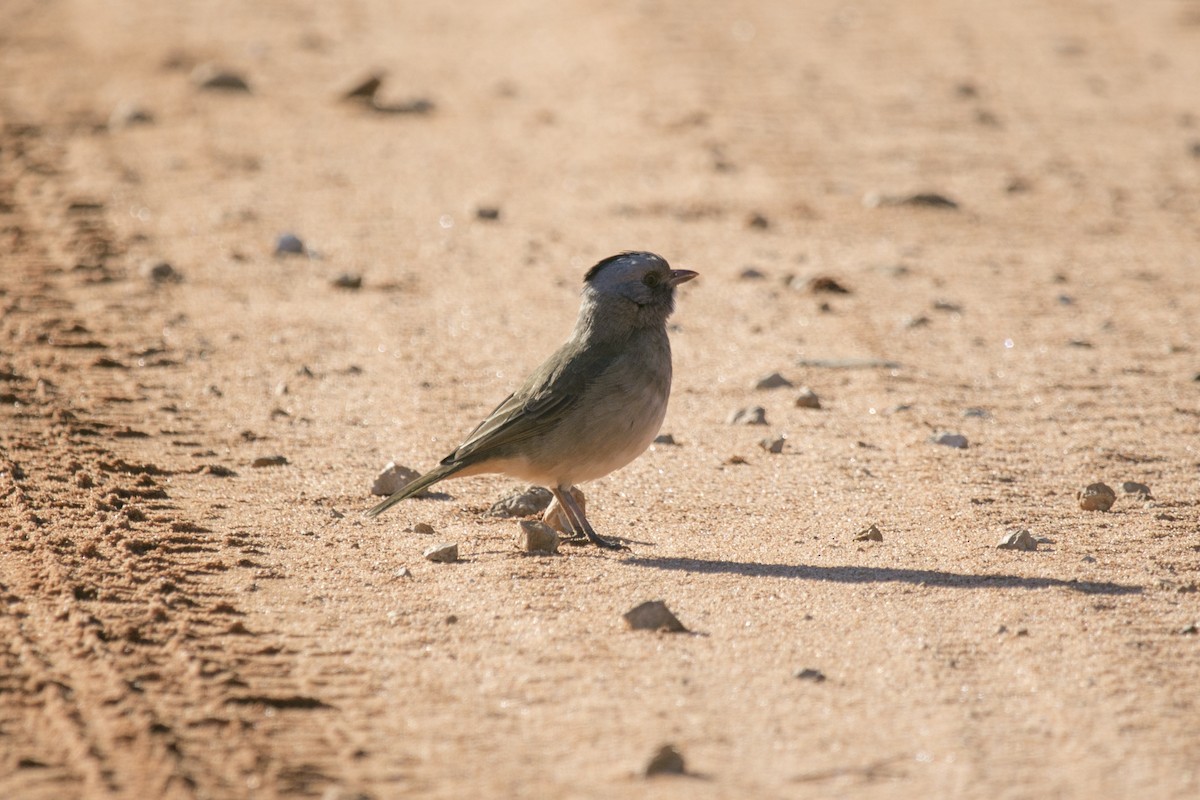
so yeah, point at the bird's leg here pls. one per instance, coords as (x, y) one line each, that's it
(579, 521)
(577, 536)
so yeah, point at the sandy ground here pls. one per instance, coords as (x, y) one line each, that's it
(179, 623)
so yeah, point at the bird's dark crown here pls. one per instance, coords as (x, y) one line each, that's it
(634, 254)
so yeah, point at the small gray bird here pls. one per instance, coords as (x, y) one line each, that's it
(593, 406)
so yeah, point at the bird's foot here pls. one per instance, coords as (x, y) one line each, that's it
(607, 544)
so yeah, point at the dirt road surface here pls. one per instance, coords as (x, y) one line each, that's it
(1008, 193)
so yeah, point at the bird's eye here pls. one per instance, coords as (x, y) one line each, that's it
(651, 279)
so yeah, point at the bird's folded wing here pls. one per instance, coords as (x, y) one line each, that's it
(539, 405)
(513, 421)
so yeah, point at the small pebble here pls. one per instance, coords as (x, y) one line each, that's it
(1132, 487)
(1018, 539)
(535, 536)
(772, 381)
(442, 553)
(416, 106)
(665, 438)
(809, 674)
(289, 244)
(752, 274)
(160, 272)
(1190, 630)
(667, 761)
(917, 200)
(402, 572)
(951, 440)
(824, 284)
(487, 213)
(653, 615)
(774, 444)
(758, 221)
(807, 398)
(211, 76)
(347, 280)
(524, 503)
(128, 114)
(365, 89)
(869, 534)
(976, 413)
(392, 479)
(269, 461)
(1096, 497)
(751, 415)
(423, 528)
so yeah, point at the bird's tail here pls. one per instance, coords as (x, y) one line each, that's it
(416, 487)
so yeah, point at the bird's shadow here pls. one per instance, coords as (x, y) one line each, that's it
(926, 577)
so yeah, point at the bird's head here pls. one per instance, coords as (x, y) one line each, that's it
(644, 280)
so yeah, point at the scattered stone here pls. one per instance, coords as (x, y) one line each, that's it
(487, 213)
(423, 528)
(445, 553)
(869, 534)
(976, 413)
(1096, 497)
(774, 445)
(365, 89)
(758, 221)
(824, 284)
(809, 674)
(1018, 539)
(269, 461)
(392, 479)
(916, 200)
(752, 274)
(949, 306)
(772, 381)
(847, 363)
(751, 415)
(736, 460)
(1190, 630)
(160, 272)
(653, 615)
(951, 440)
(289, 244)
(556, 518)
(403, 572)
(1132, 487)
(347, 280)
(919, 321)
(213, 77)
(1017, 185)
(128, 114)
(537, 537)
(416, 106)
(525, 503)
(807, 398)
(667, 761)
(665, 438)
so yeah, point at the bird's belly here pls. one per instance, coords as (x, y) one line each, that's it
(607, 439)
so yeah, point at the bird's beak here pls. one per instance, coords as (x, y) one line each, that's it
(679, 276)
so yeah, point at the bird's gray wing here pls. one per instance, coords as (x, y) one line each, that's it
(538, 405)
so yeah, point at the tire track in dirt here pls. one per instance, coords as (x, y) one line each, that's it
(127, 671)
